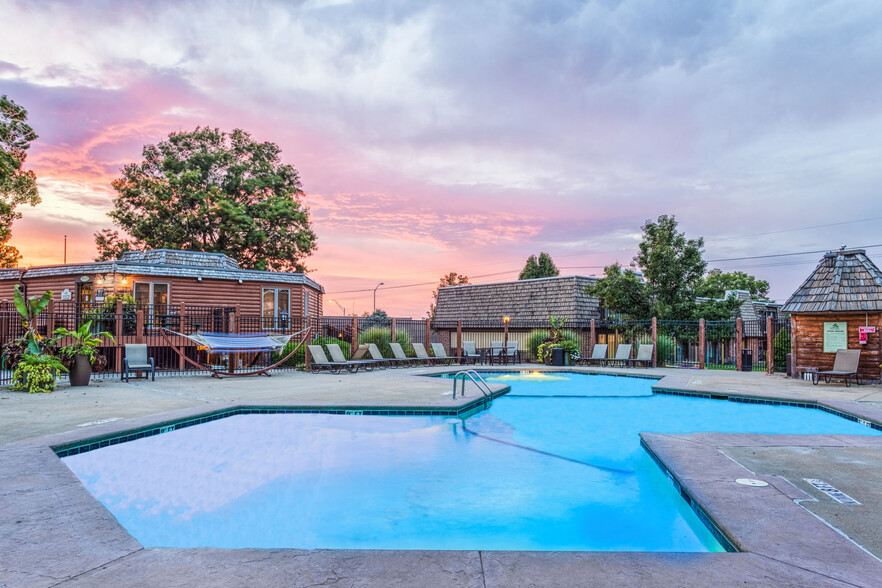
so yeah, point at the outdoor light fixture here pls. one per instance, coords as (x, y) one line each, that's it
(506, 319)
(375, 296)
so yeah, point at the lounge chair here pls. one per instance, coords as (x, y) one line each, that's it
(845, 366)
(352, 364)
(469, 353)
(422, 355)
(644, 356)
(320, 361)
(400, 355)
(441, 353)
(136, 360)
(598, 355)
(623, 355)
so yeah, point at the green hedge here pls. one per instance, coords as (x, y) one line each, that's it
(383, 336)
(299, 358)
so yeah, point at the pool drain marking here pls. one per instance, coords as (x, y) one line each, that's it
(837, 495)
(751, 482)
(555, 455)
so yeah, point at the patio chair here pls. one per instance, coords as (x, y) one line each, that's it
(441, 353)
(845, 366)
(423, 355)
(623, 355)
(400, 355)
(354, 362)
(469, 353)
(136, 360)
(512, 352)
(497, 351)
(320, 361)
(598, 355)
(644, 355)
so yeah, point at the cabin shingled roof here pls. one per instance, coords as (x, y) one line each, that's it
(844, 281)
(522, 300)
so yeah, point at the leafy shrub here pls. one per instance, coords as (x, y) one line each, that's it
(382, 337)
(666, 349)
(568, 345)
(536, 338)
(299, 358)
(39, 371)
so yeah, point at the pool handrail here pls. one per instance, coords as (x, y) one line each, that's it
(480, 383)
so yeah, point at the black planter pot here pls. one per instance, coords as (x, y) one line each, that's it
(80, 371)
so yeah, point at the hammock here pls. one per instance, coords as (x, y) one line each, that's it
(236, 343)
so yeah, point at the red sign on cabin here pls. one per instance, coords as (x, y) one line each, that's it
(863, 332)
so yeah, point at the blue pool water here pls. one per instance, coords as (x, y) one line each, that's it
(545, 468)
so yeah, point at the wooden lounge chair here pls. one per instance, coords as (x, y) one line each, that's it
(623, 355)
(400, 355)
(644, 356)
(423, 355)
(320, 361)
(845, 366)
(352, 364)
(136, 360)
(598, 355)
(441, 353)
(469, 353)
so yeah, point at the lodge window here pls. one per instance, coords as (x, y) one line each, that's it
(305, 303)
(153, 296)
(276, 308)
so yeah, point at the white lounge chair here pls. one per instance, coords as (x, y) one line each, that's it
(441, 353)
(423, 355)
(320, 361)
(399, 353)
(598, 355)
(354, 362)
(623, 355)
(644, 355)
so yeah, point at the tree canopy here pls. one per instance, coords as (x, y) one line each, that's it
(17, 186)
(539, 268)
(451, 279)
(717, 282)
(207, 190)
(673, 269)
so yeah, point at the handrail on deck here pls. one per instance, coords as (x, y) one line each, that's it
(477, 380)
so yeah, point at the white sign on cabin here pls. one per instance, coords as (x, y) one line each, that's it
(835, 337)
(65, 294)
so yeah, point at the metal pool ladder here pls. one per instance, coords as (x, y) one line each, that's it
(477, 380)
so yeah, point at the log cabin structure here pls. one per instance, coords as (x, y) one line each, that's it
(164, 279)
(838, 306)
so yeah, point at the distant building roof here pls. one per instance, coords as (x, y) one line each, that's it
(165, 262)
(844, 281)
(522, 300)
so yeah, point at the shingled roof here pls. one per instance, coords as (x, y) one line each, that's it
(844, 281)
(522, 300)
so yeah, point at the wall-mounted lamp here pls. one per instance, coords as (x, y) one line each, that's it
(199, 279)
(99, 278)
(240, 280)
(125, 279)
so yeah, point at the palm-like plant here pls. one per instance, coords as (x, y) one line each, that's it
(29, 309)
(84, 342)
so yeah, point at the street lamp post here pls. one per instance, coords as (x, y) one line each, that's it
(343, 308)
(375, 296)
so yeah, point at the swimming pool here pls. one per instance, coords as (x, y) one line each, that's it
(554, 465)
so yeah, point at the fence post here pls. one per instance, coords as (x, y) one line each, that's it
(459, 338)
(392, 338)
(739, 341)
(118, 333)
(354, 342)
(428, 335)
(182, 313)
(770, 347)
(233, 357)
(504, 335)
(50, 319)
(139, 326)
(654, 342)
(592, 338)
(702, 344)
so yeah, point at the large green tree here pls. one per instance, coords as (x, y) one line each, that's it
(717, 282)
(17, 186)
(451, 279)
(673, 267)
(539, 268)
(622, 293)
(207, 190)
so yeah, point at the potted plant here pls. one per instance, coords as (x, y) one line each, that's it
(36, 373)
(81, 352)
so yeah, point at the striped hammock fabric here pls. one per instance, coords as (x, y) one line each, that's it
(238, 343)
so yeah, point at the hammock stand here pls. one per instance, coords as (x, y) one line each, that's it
(267, 343)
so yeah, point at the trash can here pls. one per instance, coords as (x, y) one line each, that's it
(747, 360)
(558, 356)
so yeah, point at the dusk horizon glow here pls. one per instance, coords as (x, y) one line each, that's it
(457, 137)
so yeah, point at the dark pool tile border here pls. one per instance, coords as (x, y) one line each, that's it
(708, 522)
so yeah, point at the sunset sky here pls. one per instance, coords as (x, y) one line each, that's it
(464, 136)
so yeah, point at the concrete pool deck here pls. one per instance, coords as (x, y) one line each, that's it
(53, 532)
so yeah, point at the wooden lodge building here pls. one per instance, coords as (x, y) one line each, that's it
(165, 280)
(838, 306)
